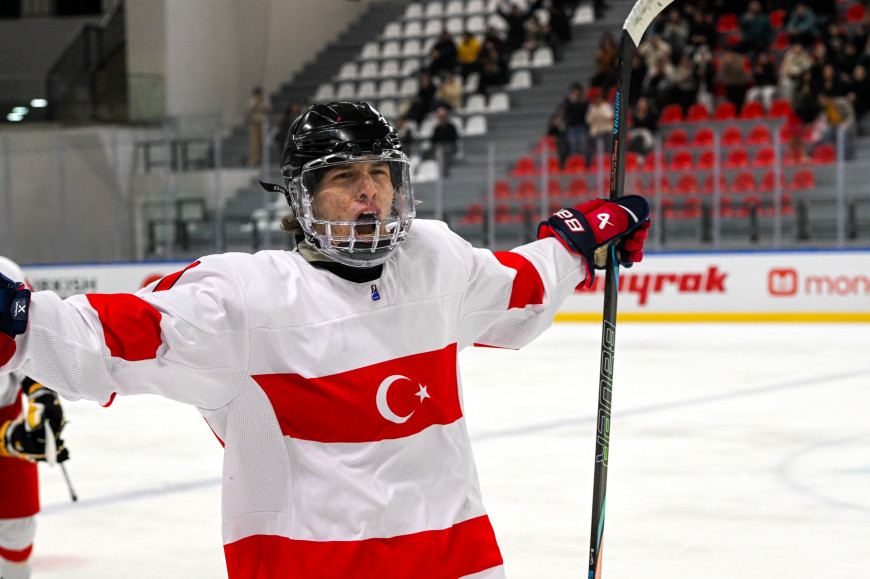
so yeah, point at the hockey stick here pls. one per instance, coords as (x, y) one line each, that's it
(641, 15)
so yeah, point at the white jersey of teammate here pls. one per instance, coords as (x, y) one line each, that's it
(339, 404)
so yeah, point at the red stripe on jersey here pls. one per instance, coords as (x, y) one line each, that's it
(18, 556)
(528, 288)
(465, 548)
(169, 281)
(389, 400)
(131, 325)
(18, 477)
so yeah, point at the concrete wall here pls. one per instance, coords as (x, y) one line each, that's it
(207, 55)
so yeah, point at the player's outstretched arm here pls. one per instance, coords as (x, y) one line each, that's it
(589, 229)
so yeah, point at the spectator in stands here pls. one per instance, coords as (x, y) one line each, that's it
(493, 68)
(795, 62)
(793, 132)
(849, 58)
(657, 86)
(705, 72)
(466, 54)
(675, 32)
(858, 90)
(424, 102)
(764, 79)
(258, 109)
(653, 50)
(445, 141)
(801, 25)
(644, 126)
(290, 113)
(495, 37)
(557, 130)
(406, 137)
(638, 78)
(755, 29)
(599, 117)
(442, 57)
(735, 77)
(606, 63)
(804, 99)
(574, 109)
(449, 93)
(837, 115)
(536, 34)
(702, 30)
(831, 83)
(559, 18)
(683, 83)
(516, 20)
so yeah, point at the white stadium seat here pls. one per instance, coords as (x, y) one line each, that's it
(498, 102)
(475, 125)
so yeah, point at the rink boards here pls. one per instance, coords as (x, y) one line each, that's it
(797, 286)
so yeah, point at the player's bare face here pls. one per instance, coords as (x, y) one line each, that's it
(361, 192)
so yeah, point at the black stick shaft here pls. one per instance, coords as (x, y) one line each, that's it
(627, 49)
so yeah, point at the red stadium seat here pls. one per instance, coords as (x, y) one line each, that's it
(703, 137)
(502, 189)
(748, 204)
(802, 179)
(577, 188)
(732, 136)
(548, 143)
(727, 23)
(823, 154)
(553, 166)
(671, 114)
(855, 13)
(777, 18)
(752, 110)
(680, 161)
(725, 111)
(737, 158)
(764, 157)
(759, 135)
(676, 138)
(690, 209)
(664, 185)
(786, 205)
(650, 161)
(503, 214)
(768, 181)
(574, 164)
(706, 160)
(524, 167)
(726, 206)
(744, 182)
(554, 188)
(709, 182)
(473, 214)
(526, 189)
(631, 162)
(779, 108)
(687, 184)
(697, 112)
(601, 162)
(781, 41)
(668, 207)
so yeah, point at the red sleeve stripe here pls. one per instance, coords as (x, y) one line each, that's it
(131, 325)
(169, 281)
(528, 288)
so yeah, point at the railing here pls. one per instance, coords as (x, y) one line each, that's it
(71, 83)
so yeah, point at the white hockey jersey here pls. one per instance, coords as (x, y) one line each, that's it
(339, 404)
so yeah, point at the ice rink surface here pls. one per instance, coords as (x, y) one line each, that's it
(738, 450)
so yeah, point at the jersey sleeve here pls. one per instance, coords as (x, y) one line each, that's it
(184, 337)
(512, 296)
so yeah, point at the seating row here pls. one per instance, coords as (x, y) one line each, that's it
(683, 184)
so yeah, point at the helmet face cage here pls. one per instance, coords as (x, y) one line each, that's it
(341, 240)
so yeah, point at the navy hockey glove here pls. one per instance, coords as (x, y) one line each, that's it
(589, 229)
(14, 308)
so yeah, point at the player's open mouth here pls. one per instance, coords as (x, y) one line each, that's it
(366, 223)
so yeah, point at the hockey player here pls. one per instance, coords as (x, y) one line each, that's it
(23, 442)
(329, 373)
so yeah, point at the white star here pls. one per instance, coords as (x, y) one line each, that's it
(422, 393)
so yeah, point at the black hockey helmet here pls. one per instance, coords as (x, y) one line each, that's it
(338, 127)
